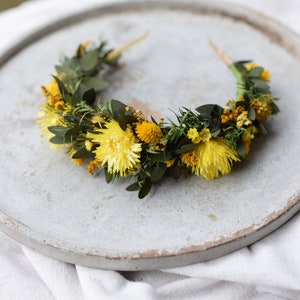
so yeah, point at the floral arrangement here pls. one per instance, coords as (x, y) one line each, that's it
(120, 140)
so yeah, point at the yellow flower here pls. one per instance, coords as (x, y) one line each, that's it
(88, 145)
(52, 93)
(148, 132)
(211, 158)
(76, 161)
(48, 116)
(262, 107)
(170, 163)
(93, 164)
(197, 137)
(247, 137)
(118, 148)
(265, 75)
(242, 119)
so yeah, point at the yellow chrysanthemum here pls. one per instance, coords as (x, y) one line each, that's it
(265, 75)
(118, 148)
(211, 158)
(148, 132)
(247, 137)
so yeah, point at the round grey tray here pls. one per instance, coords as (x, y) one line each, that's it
(54, 207)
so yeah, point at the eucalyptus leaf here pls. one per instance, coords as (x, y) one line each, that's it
(125, 120)
(89, 61)
(58, 130)
(256, 72)
(95, 83)
(251, 114)
(186, 148)
(145, 189)
(82, 153)
(89, 96)
(58, 140)
(158, 172)
(161, 156)
(133, 187)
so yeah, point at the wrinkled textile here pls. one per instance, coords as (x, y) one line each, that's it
(266, 270)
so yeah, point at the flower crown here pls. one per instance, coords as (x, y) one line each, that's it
(120, 140)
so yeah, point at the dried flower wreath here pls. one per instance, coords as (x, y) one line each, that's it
(122, 141)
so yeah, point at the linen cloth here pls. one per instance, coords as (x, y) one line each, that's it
(266, 270)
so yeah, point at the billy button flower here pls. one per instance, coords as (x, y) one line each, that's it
(148, 132)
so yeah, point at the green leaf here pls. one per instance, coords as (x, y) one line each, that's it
(58, 140)
(89, 61)
(158, 172)
(125, 120)
(262, 129)
(82, 153)
(95, 83)
(145, 189)
(251, 114)
(89, 96)
(108, 176)
(116, 108)
(58, 130)
(161, 156)
(255, 72)
(241, 149)
(275, 108)
(133, 187)
(260, 85)
(186, 148)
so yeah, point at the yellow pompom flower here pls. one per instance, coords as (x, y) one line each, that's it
(148, 132)
(265, 75)
(118, 148)
(211, 158)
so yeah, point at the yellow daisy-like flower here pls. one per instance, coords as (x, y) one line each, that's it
(197, 137)
(118, 148)
(148, 132)
(265, 75)
(247, 137)
(210, 159)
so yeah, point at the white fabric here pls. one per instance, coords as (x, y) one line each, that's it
(267, 270)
